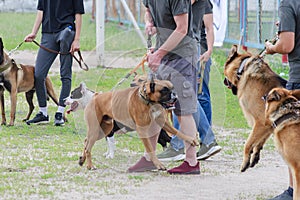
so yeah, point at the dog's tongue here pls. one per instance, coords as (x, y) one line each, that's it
(74, 105)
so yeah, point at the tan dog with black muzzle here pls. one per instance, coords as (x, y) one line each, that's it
(283, 113)
(17, 78)
(141, 108)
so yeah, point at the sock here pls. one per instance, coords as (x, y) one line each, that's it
(44, 111)
(61, 109)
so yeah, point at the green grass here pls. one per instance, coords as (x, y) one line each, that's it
(42, 161)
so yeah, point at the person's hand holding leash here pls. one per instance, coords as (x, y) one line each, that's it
(30, 37)
(205, 57)
(75, 46)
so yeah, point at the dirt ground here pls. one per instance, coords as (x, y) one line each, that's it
(220, 177)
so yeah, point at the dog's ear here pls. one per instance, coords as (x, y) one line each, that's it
(233, 52)
(1, 51)
(152, 85)
(273, 96)
(82, 87)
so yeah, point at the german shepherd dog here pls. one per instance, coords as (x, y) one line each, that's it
(283, 113)
(250, 78)
(17, 78)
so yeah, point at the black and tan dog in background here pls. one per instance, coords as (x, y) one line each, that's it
(283, 113)
(17, 78)
(250, 77)
(140, 108)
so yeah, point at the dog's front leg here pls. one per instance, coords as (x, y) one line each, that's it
(169, 128)
(150, 150)
(3, 122)
(13, 99)
(254, 144)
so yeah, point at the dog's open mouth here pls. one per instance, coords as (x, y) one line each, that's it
(169, 106)
(74, 105)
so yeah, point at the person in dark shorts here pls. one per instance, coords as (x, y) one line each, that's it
(288, 43)
(174, 58)
(61, 26)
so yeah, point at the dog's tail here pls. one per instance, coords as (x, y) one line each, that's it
(50, 90)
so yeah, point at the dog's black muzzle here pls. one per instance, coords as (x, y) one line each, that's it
(170, 103)
(229, 85)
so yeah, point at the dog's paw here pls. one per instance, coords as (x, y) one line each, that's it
(192, 141)
(254, 159)
(92, 167)
(109, 155)
(81, 161)
(245, 166)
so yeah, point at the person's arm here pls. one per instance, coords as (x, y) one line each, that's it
(76, 43)
(38, 21)
(149, 24)
(174, 39)
(208, 23)
(284, 45)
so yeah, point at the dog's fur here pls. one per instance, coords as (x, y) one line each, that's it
(17, 78)
(250, 83)
(139, 108)
(81, 96)
(283, 112)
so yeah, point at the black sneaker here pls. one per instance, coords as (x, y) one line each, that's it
(58, 120)
(39, 119)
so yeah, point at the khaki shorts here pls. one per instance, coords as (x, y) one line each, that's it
(182, 72)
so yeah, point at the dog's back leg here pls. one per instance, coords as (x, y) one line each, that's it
(3, 122)
(29, 98)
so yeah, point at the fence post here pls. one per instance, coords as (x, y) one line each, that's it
(100, 23)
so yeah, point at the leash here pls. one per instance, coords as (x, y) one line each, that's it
(273, 41)
(15, 49)
(79, 60)
(141, 64)
(202, 68)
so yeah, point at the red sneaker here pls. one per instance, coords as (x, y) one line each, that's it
(185, 168)
(142, 165)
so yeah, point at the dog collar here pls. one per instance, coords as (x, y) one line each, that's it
(241, 68)
(144, 98)
(293, 115)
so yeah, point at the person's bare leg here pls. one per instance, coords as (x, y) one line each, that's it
(188, 127)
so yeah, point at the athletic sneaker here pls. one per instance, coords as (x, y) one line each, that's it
(39, 119)
(208, 151)
(286, 195)
(58, 119)
(185, 168)
(170, 154)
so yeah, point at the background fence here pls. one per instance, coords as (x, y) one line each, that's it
(250, 22)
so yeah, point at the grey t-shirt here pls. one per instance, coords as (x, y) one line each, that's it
(163, 12)
(289, 14)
